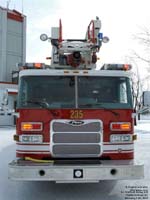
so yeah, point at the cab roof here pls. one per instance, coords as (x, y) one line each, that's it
(59, 72)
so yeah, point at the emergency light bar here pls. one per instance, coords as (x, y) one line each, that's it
(124, 67)
(22, 66)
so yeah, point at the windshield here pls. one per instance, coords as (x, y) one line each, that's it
(48, 91)
(106, 91)
(74, 92)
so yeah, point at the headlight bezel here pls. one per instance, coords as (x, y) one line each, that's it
(121, 138)
(31, 139)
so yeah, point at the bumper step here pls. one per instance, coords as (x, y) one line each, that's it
(107, 170)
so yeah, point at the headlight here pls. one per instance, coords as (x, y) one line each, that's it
(119, 138)
(31, 138)
(120, 126)
(31, 126)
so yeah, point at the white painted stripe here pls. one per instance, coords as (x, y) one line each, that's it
(47, 147)
(123, 143)
(33, 147)
(43, 143)
(109, 152)
(120, 146)
(32, 152)
(45, 152)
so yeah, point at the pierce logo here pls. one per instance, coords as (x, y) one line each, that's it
(76, 122)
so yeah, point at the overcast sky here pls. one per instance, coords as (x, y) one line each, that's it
(120, 20)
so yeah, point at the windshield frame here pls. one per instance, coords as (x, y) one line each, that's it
(128, 105)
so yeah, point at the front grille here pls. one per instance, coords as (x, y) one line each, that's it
(76, 138)
(76, 149)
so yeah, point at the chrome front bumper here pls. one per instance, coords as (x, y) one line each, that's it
(107, 170)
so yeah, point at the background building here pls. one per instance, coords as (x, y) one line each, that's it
(12, 51)
(12, 42)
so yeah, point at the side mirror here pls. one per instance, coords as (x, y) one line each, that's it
(5, 98)
(146, 98)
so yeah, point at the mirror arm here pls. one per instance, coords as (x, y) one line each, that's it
(6, 111)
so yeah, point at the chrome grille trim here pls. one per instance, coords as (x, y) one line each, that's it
(82, 138)
(87, 127)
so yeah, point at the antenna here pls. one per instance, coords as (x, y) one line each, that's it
(22, 6)
(8, 2)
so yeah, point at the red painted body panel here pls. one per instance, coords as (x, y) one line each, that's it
(106, 116)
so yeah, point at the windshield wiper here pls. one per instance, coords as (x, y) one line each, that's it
(103, 107)
(44, 103)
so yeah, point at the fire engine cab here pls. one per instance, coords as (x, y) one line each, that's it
(75, 123)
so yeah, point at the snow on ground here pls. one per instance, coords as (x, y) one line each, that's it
(112, 190)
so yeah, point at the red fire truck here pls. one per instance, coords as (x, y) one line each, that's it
(75, 123)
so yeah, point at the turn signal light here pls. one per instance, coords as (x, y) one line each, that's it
(126, 67)
(31, 126)
(38, 65)
(120, 126)
(16, 138)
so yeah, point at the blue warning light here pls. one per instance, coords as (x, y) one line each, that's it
(100, 36)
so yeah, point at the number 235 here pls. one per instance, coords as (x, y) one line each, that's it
(76, 114)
